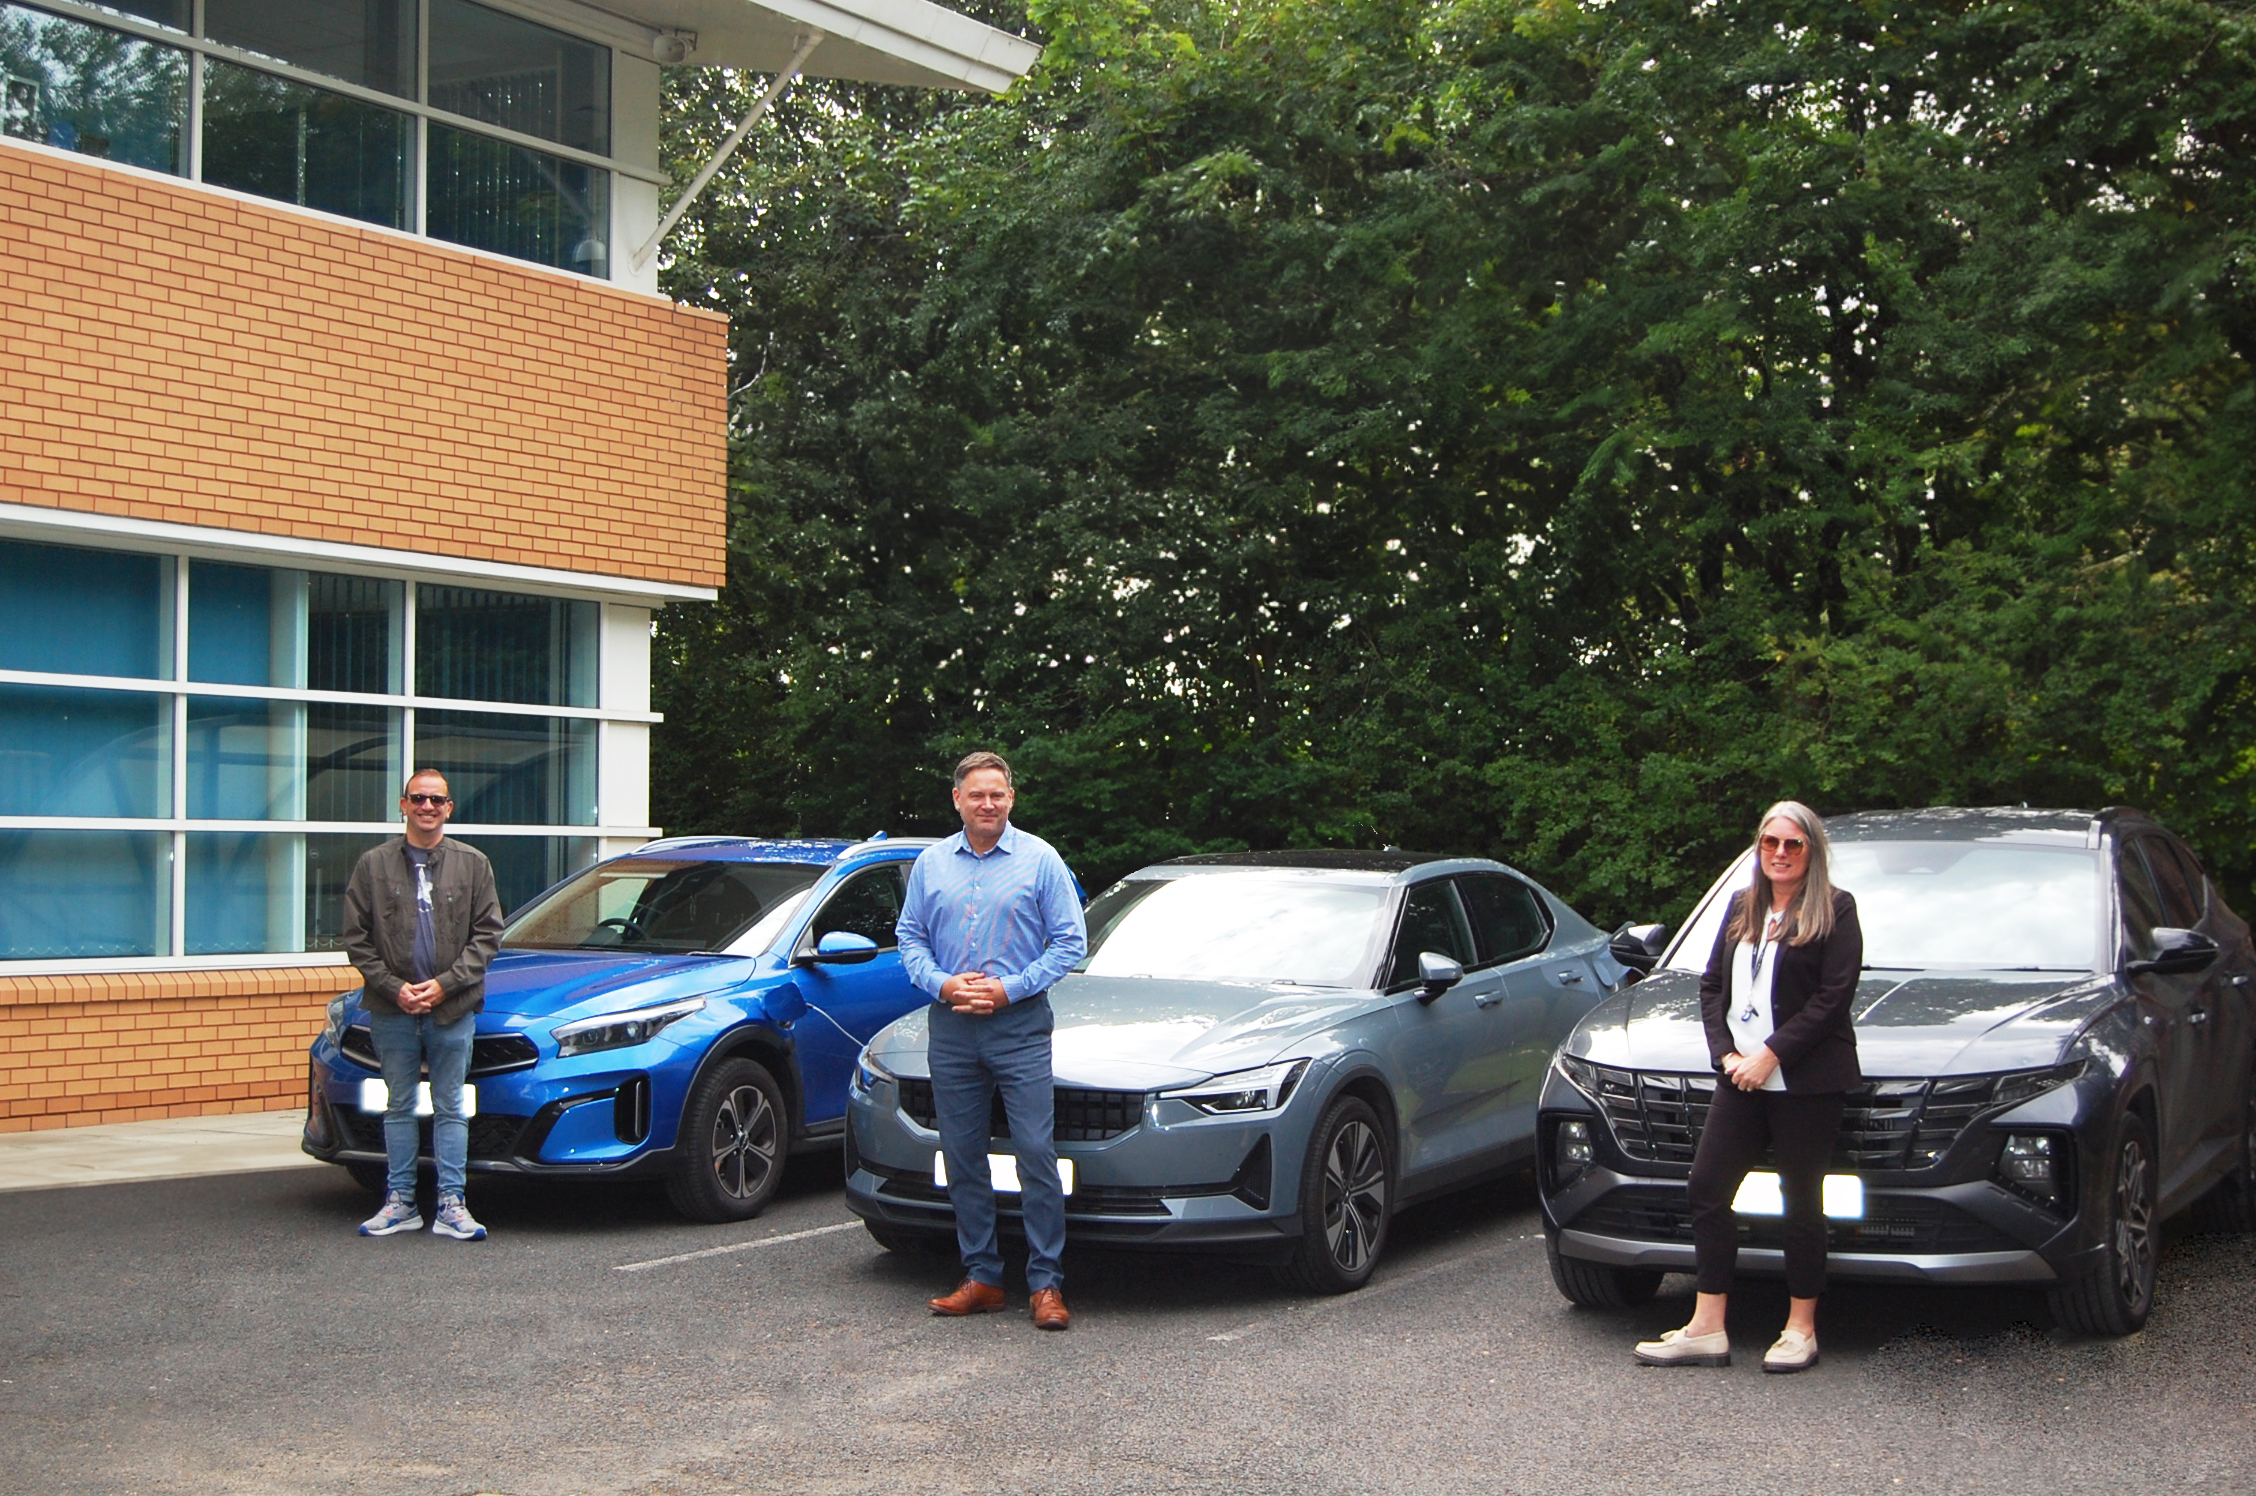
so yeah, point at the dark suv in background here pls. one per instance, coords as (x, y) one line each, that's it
(2055, 1024)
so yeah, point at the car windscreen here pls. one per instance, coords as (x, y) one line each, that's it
(659, 904)
(1236, 927)
(1946, 903)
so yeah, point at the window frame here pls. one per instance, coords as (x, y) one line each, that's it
(1542, 916)
(1448, 884)
(896, 869)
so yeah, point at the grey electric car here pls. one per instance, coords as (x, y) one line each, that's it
(2056, 1028)
(1268, 1054)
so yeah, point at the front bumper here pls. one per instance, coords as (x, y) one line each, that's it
(1174, 1179)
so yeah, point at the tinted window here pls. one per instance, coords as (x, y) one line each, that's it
(369, 42)
(2182, 903)
(82, 612)
(1507, 917)
(1235, 927)
(299, 144)
(521, 76)
(868, 906)
(658, 904)
(93, 90)
(2142, 905)
(1431, 921)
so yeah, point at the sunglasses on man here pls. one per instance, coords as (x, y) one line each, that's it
(428, 799)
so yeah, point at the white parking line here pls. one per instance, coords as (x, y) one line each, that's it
(741, 1246)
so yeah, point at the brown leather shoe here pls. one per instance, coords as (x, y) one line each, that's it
(1048, 1306)
(971, 1297)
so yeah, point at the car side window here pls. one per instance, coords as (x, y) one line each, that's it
(1507, 917)
(1431, 921)
(868, 905)
(2142, 906)
(2181, 885)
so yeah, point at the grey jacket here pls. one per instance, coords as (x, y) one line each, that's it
(380, 924)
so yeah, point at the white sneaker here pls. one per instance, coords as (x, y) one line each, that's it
(1679, 1349)
(399, 1214)
(1792, 1351)
(454, 1219)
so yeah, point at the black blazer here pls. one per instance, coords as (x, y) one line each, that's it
(1810, 994)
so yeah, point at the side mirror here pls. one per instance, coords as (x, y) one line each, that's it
(1639, 947)
(1436, 975)
(842, 948)
(2176, 952)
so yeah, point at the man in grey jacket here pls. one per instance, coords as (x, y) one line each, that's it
(422, 922)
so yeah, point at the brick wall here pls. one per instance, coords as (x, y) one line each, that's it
(129, 1047)
(171, 353)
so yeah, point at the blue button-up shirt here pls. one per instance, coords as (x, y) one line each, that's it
(1011, 914)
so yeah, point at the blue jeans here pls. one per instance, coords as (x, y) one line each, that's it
(406, 1045)
(972, 1058)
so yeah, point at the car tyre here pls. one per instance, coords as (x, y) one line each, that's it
(1346, 1201)
(374, 1178)
(1594, 1285)
(2116, 1299)
(729, 1157)
(2230, 1208)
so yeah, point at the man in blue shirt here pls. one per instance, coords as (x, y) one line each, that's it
(991, 921)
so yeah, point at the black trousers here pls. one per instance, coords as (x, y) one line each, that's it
(1799, 1130)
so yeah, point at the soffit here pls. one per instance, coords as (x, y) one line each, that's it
(866, 41)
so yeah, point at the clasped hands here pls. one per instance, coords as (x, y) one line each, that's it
(973, 992)
(1749, 1071)
(417, 998)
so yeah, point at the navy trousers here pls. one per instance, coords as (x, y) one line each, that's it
(972, 1058)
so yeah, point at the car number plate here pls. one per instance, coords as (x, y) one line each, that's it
(1003, 1169)
(374, 1095)
(1760, 1195)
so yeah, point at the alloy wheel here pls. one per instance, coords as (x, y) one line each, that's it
(744, 1141)
(1354, 1195)
(2134, 1226)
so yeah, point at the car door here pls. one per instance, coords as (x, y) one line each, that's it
(2218, 1045)
(1445, 1049)
(2167, 1005)
(849, 1004)
(1511, 931)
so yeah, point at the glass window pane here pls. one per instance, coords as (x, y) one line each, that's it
(1431, 921)
(329, 859)
(84, 753)
(368, 42)
(305, 145)
(246, 625)
(504, 646)
(168, 13)
(353, 770)
(489, 194)
(527, 866)
(93, 90)
(511, 771)
(243, 892)
(243, 759)
(352, 637)
(522, 77)
(84, 612)
(1507, 917)
(84, 893)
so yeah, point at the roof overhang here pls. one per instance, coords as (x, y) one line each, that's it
(865, 41)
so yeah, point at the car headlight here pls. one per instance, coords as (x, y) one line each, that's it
(2028, 1085)
(2036, 1164)
(619, 1030)
(339, 1006)
(1571, 1149)
(1581, 1073)
(868, 1072)
(1243, 1091)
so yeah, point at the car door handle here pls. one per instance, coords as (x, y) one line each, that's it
(1569, 977)
(1487, 999)
(2197, 1015)
(2240, 979)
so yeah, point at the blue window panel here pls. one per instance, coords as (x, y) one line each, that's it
(84, 753)
(243, 890)
(245, 760)
(84, 893)
(475, 645)
(329, 861)
(352, 758)
(73, 611)
(246, 625)
(526, 867)
(509, 770)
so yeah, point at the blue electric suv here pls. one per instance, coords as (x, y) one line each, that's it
(690, 1011)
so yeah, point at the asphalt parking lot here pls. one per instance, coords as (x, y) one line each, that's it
(233, 1334)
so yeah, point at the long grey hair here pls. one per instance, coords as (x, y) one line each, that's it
(1811, 918)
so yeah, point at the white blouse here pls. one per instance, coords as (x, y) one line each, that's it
(1749, 1014)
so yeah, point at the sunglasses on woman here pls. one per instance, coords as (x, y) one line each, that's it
(1792, 846)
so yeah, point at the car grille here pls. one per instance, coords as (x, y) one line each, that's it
(493, 1135)
(1892, 1223)
(490, 1054)
(1083, 1116)
(1656, 1116)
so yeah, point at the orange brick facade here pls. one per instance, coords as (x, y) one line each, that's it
(128, 1047)
(174, 354)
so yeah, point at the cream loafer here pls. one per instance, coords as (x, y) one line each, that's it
(1679, 1349)
(1793, 1351)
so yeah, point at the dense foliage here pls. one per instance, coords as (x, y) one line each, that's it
(1510, 426)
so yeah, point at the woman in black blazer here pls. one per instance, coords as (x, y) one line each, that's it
(1776, 1005)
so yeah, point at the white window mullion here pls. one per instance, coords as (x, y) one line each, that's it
(177, 938)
